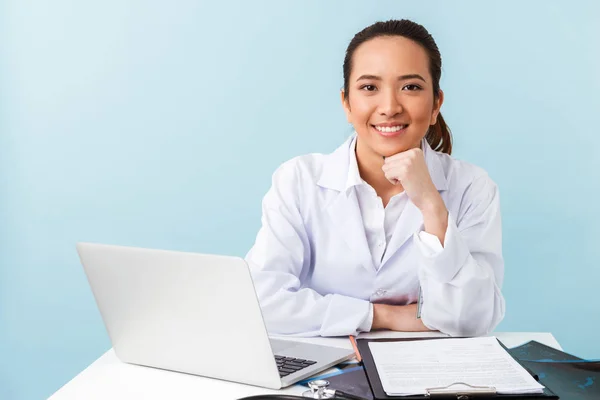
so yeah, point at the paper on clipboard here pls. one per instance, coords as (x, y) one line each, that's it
(413, 367)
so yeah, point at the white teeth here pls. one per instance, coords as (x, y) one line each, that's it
(390, 128)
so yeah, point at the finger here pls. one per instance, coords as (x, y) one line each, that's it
(410, 153)
(392, 177)
(398, 161)
(398, 156)
(396, 165)
(393, 181)
(389, 175)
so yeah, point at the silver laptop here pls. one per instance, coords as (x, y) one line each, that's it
(194, 313)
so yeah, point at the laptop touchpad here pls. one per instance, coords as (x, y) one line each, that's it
(280, 345)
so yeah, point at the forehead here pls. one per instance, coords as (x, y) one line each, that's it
(390, 56)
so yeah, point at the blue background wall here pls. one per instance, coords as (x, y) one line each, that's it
(159, 125)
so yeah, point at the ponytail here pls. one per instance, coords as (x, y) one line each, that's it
(439, 136)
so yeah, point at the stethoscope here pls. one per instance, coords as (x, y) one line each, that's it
(318, 390)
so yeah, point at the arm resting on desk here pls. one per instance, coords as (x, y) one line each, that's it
(461, 281)
(397, 318)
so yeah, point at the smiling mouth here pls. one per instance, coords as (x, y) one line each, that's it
(390, 129)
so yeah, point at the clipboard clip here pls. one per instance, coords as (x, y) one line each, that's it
(471, 392)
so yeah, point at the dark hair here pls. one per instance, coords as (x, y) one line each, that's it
(438, 135)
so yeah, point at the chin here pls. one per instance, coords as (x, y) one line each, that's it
(388, 147)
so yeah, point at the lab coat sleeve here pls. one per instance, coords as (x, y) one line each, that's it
(280, 260)
(461, 281)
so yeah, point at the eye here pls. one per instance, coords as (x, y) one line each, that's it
(411, 87)
(368, 88)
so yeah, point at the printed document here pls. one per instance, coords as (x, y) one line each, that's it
(413, 367)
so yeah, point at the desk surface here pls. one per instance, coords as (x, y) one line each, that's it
(109, 378)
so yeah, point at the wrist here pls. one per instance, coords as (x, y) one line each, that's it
(380, 316)
(433, 207)
(435, 222)
(410, 321)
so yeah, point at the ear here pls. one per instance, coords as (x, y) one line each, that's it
(436, 107)
(345, 104)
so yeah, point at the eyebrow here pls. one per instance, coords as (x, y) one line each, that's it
(400, 78)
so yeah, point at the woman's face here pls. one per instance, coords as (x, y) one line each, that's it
(390, 101)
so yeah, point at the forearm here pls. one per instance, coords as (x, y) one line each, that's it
(435, 219)
(397, 318)
(289, 310)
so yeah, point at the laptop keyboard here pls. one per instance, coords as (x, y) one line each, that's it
(289, 365)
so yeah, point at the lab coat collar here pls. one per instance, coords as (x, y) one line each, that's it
(340, 169)
(353, 178)
(344, 209)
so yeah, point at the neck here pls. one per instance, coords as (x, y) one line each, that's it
(369, 167)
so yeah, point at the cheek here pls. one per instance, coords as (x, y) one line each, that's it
(361, 110)
(420, 111)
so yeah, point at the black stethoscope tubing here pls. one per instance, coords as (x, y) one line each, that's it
(338, 395)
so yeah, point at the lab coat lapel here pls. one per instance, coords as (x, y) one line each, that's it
(343, 208)
(345, 214)
(410, 222)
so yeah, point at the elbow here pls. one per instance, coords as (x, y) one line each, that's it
(472, 319)
(482, 322)
(472, 327)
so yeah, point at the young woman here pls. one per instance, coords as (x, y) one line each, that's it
(388, 231)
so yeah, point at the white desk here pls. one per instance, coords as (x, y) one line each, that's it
(109, 378)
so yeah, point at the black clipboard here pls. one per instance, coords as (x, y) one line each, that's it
(441, 393)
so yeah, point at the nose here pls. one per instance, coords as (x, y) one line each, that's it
(390, 104)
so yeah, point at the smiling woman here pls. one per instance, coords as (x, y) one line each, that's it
(388, 231)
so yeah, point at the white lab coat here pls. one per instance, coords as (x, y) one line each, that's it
(314, 273)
